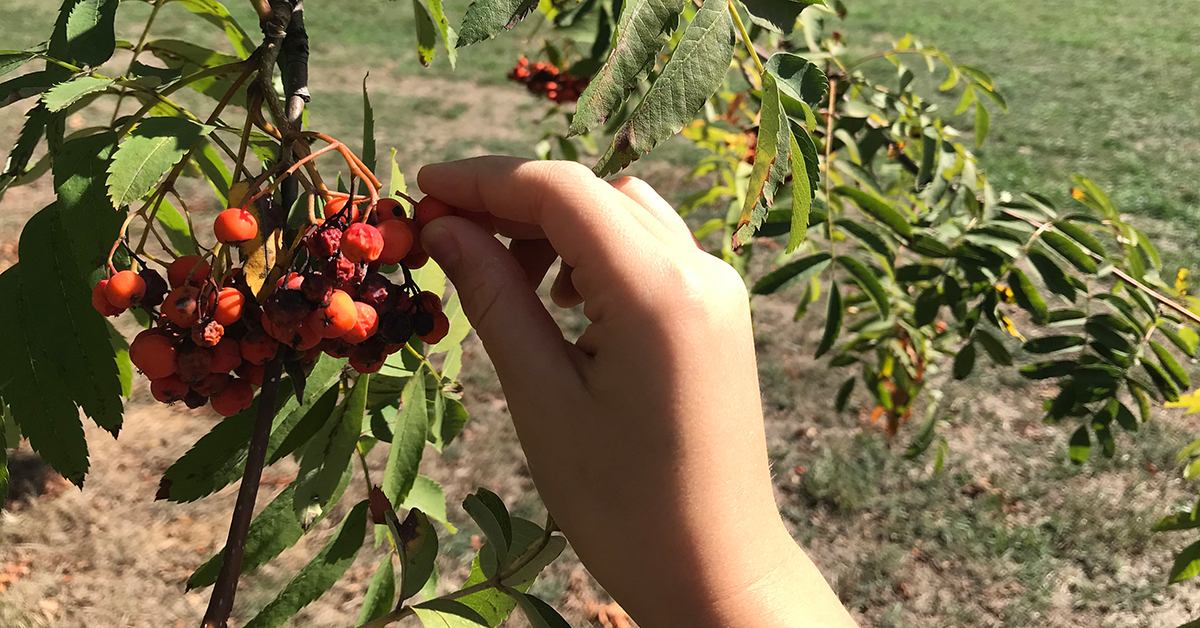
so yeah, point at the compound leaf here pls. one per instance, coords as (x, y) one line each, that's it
(487, 18)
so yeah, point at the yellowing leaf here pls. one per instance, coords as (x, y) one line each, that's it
(1011, 328)
(1190, 401)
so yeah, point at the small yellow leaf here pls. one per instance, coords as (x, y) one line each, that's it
(1077, 194)
(1181, 281)
(1190, 401)
(1010, 327)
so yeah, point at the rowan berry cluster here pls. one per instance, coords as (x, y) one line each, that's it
(547, 80)
(211, 338)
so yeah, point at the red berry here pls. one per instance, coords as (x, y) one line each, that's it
(397, 241)
(125, 289)
(235, 225)
(324, 242)
(336, 318)
(302, 338)
(365, 324)
(429, 302)
(180, 269)
(212, 384)
(153, 354)
(335, 206)
(368, 357)
(251, 372)
(194, 364)
(180, 306)
(362, 243)
(226, 356)
(257, 348)
(441, 326)
(100, 300)
(168, 389)
(389, 209)
(229, 306)
(429, 209)
(237, 396)
(317, 288)
(337, 348)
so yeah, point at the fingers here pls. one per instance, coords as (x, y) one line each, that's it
(525, 344)
(641, 193)
(535, 257)
(563, 291)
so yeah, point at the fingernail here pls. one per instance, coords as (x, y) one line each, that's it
(440, 242)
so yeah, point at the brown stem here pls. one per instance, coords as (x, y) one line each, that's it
(225, 588)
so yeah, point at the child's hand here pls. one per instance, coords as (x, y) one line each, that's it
(645, 437)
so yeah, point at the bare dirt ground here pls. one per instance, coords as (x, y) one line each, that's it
(1009, 534)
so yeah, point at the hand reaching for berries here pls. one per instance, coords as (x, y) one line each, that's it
(645, 436)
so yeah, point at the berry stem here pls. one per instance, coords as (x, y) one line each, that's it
(221, 604)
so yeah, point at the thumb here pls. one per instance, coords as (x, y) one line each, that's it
(520, 336)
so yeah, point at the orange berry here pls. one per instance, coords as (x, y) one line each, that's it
(397, 241)
(168, 389)
(235, 397)
(336, 318)
(125, 288)
(335, 206)
(153, 354)
(365, 324)
(302, 338)
(229, 306)
(441, 327)
(100, 300)
(258, 348)
(180, 306)
(180, 269)
(362, 243)
(235, 225)
(429, 209)
(227, 356)
(389, 209)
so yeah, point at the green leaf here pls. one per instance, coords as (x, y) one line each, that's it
(539, 613)
(27, 140)
(1187, 563)
(802, 194)
(833, 320)
(449, 418)
(1185, 339)
(525, 535)
(877, 208)
(66, 94)
(216, 14)
(176, 227)
(59, 319)
(429, 496)
(964, 362)
(189, 58)
(1081, 235)
(1164, 384)
(90, 37)
(153, 148)
(770, 162)
(408, 442)
(984, 79)
(776, 15)
(800, 80)
(865, 278)
(983, 124)
(1177, 372)
(488, 511)
(993, 347)
(440, 613)
(368, 155)
(1053, 276)
(80, 173)
(26, 85)
(418, 547)
(1071, 251)
(1185, 520)
(1080, 445)
(381, 593)
(219, 457)
(35, 393)
(13, 59)
(426, 33)
(1051, 344)
(640, 35)
(693, 74)
(1126, 419)
(792, 272)
(843, 394)
(3, 465)
(449, 37)
(329, 453)
(319, 575)
(271, 532)
(924, 438)
(487, 18)
(1104, 436)
(1027, 296)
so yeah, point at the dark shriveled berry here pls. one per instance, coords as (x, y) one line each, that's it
(317, 288)
(375, 290)
(156, 288)
(423, 323)
(194, 400)
(395, 327)
(207, 334)
(324, 242)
